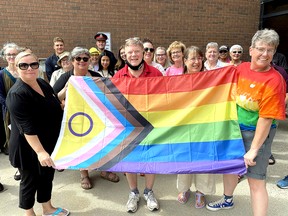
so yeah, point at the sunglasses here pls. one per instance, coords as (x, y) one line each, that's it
(85, 59)
(149, 49)
(223, 51)
(25, 66)
(239, 52)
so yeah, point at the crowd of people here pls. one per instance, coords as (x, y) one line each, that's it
(261, 97)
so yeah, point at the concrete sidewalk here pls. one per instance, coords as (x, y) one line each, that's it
(107, 198)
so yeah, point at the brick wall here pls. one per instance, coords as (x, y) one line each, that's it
(34, 23)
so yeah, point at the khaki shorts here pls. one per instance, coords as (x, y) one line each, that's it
(259, 171)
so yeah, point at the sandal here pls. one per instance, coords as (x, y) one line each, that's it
(200, 200)
(183, 196)
(110, 176)
(85, 183)
(59, 211)
(271, 160)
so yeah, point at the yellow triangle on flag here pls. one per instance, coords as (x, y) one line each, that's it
(85, 124)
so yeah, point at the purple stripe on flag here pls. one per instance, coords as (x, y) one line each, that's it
(235, 166)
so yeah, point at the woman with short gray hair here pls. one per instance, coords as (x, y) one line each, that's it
(260, 99)
(80, 60)
(236, 52)
(212, 55)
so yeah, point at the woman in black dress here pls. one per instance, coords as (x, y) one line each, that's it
(36, 116)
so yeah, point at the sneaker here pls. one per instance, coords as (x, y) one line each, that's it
(152, 203)
(220, 204)
(283, 183)
(132, 204)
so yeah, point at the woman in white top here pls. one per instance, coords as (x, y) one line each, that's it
(212, 55)
(149, 55)
(65, 64)
(161, 57)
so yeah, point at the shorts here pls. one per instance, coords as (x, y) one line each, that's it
(259, 171)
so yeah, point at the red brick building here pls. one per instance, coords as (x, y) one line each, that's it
(34, 23)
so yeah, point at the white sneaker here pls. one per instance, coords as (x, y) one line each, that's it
(132, 204)
(152, 203)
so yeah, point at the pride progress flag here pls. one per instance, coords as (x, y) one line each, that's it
(165, 125)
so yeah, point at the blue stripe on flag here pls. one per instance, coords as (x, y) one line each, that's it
(185, 152)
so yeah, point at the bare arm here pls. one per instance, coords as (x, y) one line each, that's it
(43, 156)
(62, 94)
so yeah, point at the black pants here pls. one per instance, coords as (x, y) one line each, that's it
(37, 180)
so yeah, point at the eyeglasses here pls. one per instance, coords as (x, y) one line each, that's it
(263, 50)
(160, 55)
(239, 52)
(25, 66)
(11, 55)
(176, 52)
(223, 51)
(149, 49)
(196, 58)
(85, 59)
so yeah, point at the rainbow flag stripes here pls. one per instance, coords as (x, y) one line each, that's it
(165, 125)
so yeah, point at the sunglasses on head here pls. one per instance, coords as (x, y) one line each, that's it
(85, 59)
(239, 52)
(149, 49)
(25, 66)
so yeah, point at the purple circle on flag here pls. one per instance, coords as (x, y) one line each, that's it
(70, 124)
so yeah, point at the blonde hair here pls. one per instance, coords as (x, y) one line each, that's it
(24, 54)
(175, 44)
(134, 41)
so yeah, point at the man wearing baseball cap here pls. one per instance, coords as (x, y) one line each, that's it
(100, 45)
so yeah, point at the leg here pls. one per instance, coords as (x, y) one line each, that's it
(132, 203)
(132, 180)
(259, 196)
(230, 182)
(184, 182)
(29, 212)
(27, 190)
(5, 148)
(152, 203)
(44, 191)
(48, 209)
(110, 176)
(149, 181)
(85, 180)
(204, 184)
